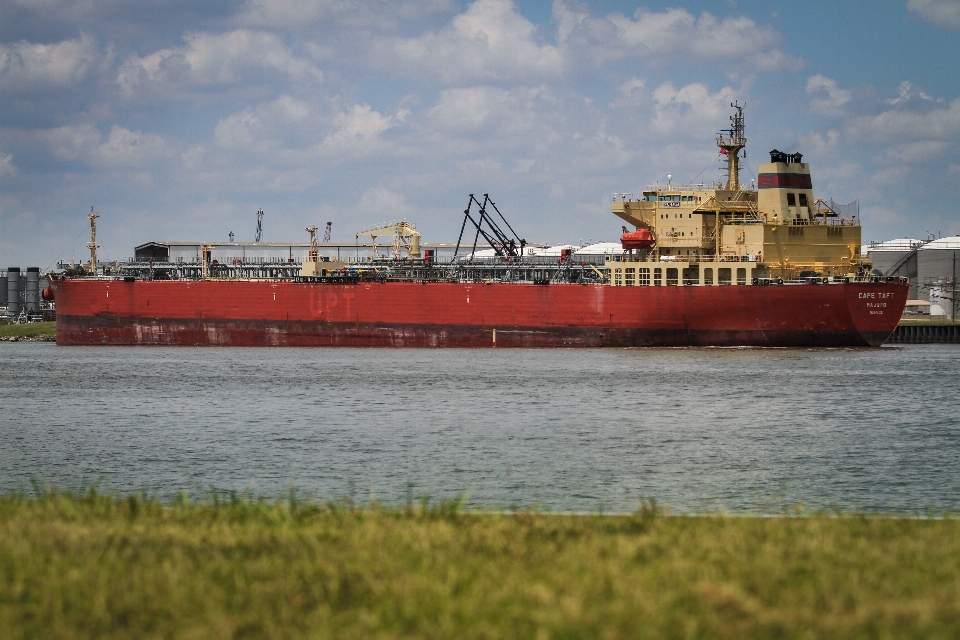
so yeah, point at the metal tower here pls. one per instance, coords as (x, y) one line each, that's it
(326, 232)
(731, 146)
(259, 226)
(92, 245)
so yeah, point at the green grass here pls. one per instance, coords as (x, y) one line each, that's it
(29, 330)
(132, 568)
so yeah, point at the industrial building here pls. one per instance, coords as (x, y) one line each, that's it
(931, 267)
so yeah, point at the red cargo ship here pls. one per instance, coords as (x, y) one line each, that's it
(438, 314)
(707, 265)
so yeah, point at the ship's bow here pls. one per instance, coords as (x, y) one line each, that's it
(876, 308)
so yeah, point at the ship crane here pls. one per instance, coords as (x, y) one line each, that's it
(314, 255)
(404, 234)
(503, 244)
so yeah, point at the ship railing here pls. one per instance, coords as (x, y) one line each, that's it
(697, 186)
(818, 221)
(834, 280)
(692, 259)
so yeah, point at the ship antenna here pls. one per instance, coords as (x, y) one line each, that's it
(259, 225)
(92, 245)
(731, 144)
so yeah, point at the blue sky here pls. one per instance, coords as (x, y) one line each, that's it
(178, 120)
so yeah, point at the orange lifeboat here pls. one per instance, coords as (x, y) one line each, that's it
(48, 294)
(640, 239)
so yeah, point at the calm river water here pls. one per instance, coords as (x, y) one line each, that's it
(698, 429)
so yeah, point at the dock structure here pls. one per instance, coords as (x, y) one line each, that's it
(926, 334)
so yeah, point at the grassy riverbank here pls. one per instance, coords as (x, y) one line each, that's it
(111, 568)
(28, 330)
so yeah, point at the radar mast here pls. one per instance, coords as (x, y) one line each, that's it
(731, 144)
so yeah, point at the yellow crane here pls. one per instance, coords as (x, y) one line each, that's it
(404, 236)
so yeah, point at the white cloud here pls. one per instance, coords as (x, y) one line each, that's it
(381, 204)
(303, 14)
(568, 20)
(631, 93)
(121, 148)
(262, 128)
(7, 168)
(28, 66)
(71, 142)
(675, 34)
(706, 36)
(937, 123)
(942, 13)
(908, 93)
(127, 149)
(491, 110)
(820, 143)
(916, 151)
(828, 98)
(490, 41)
(691, 109)
(216, 59)
(357, 131)
(288, 133)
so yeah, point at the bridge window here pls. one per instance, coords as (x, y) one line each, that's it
(672, 277)
(791, 200)
(630, 277)
(803, 199)
(708, 276)
(657, 277)
(741, 276)
(644, 278)
(618, 277)
(723, 276)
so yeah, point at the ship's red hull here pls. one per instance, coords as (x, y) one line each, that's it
(407, 314)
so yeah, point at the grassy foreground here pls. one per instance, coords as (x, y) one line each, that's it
(29, 330)
(122, 568)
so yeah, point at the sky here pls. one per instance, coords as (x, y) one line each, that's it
(178, 120)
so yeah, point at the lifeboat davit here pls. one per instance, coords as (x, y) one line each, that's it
(639, 239)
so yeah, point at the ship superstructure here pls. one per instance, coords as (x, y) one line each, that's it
(734, 234)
